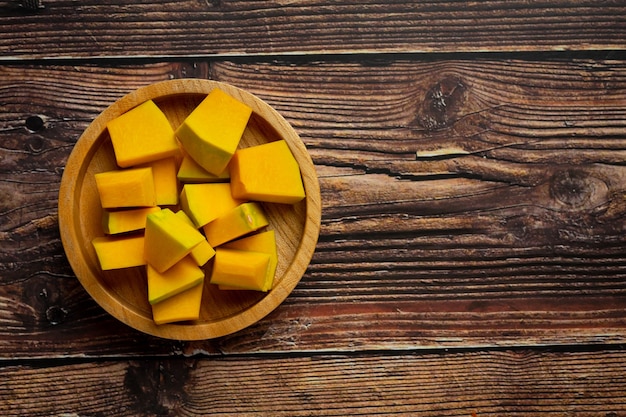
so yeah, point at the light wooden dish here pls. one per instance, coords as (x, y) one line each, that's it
(123, 293)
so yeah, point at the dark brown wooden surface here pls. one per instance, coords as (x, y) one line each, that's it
(472, 259)
(87, 29)
(511, 383)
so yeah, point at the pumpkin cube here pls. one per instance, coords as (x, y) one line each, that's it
(180, 307)
(264, 242)
(168, 239)
(115, 252)
(211, 133)
(129, 220)
(243, 219)
(245, 270)
(142, 134)
(267, 172)
(206, 202)
(183, 275)
(126, 188)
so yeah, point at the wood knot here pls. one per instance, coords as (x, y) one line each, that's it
(34, 123)
(56, 315)
(157, 387)
(442, 104)
(577, 189)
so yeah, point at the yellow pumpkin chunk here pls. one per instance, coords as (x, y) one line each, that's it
(206, 202)
(168, 239)
(202, 252)
(122, 221)
(267, 172)
(211, 133)
(165, 181)
(191, 172)
(264, 242)
(243, 219)
(142, 134)
(245, 270)
(180, 307)
(126, 188)
(116, 252)
(183, 275)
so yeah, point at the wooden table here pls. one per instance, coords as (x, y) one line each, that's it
(471, 157)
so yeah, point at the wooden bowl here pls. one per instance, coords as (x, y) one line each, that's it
(123, 292)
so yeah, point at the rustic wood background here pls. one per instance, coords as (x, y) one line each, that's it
(471, 155)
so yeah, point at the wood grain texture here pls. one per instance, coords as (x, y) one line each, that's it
(511, 383)
(471, 162)
(90, 29)
(507, 228)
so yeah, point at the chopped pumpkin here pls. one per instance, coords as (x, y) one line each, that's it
(115, 252)
(245, 270)
(206, 202)
(211, 133)
(183, 275)
(222, 190)
(142, 134)
(264, 242)
(126, 188)
(267, 172)
(129, 220)
(180, 307)
(243, 219)
(168, 239)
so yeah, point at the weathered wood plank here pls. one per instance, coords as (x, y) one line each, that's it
(513, 221)
(90, 28)
(495, 383)
(512, 235)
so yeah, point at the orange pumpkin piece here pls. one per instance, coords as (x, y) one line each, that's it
(183, 275)
(243, 219)
(142, 134)
(115, 252)
(241, 269)
(211, 133)
(129, 220)
(204, 203)
(126, 188)
(180, 307)
(267, 172)
(168, 239)
(264, 242)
